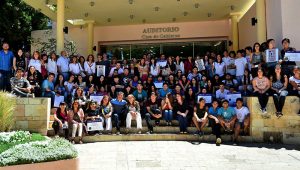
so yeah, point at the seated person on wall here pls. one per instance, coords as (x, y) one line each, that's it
(106, 109)
(182, 110)
(153, 112)
(261, 85)
(227, 116)
(119, 110)
(164, 91)
(48, 88)
(243, 119)
(295, 81)
(214, 121)
(200, 116)
(76, 121)
(141, 96)
(60, 123)
(167, 108)
(92, 115)
(133, 114)
(19, 85)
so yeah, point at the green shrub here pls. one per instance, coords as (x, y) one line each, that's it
(7, 108)
(41, 151)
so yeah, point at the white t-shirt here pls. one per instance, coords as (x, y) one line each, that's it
(69, 85)
(154, 70)
(297, 81)
(228, 61)
(36, 64)
(219, 67)
(241, 113)
(90, 68)
(75, 68)
(240, 64)
(220, 95)
(52, 66)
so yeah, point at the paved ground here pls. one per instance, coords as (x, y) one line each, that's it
(184, 155)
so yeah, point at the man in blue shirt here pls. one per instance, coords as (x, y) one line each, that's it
(63, 65)
(6, 60)
(48, 88)
(227, 116)
(164, 91)
(214, 121)
(119, 110)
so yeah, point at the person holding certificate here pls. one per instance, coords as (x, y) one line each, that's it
(92, 117)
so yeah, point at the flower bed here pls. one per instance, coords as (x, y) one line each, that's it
(23, 151)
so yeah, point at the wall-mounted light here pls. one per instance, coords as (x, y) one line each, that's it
(232, 7)
(185, 13)
(253, 21)
(92, 3)
(230, 43)
(131, 16)
(156, 8)
(173, 19)
(197, 5)
(86, 14)
(209, 15)
(130, 1)
(108, 19)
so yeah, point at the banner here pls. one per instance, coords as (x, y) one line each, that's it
(162, 63)
(94, 125)
(272, 55)
(158, 85)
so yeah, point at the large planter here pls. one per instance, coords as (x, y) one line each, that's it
(69, 164)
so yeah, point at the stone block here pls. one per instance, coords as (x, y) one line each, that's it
(36, 110)
(45, 101)
(34, 101)
(256, 132)
(20, 110)
(21, 125)
(257, 123)
(291, 138)
(268, 122)
(36, 124)
(280, 123)
(22, 100)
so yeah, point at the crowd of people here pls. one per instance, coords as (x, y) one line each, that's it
(152, 88)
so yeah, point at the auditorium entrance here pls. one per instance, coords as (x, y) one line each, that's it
(137, 49)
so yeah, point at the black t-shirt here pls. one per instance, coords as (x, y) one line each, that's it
(154, 106)
(91, 113)
(200, 112)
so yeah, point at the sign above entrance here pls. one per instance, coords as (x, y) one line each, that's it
(161, 33)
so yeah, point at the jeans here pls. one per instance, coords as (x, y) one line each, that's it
(50, 94)
(148, 118)
(182, 123)
(278, 102)
(239, 79)
(65, 75)
(5, 80)
(117, 121)
(216, 127)
(262, 99)
(168, 115)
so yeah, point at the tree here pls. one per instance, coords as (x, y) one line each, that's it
(17, 20)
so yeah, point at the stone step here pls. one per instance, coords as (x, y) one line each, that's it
(162, 137)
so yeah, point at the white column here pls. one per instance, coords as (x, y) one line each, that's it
(90, 36)
(261, 21)
(235, 33)
(60, 26)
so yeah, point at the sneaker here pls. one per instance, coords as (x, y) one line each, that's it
(185, 132)
(80, 142)
(181, 132)
(218, 141)
(197, 133)
(170, 123)
(280, 114)
(56, 136)
(118, 133)
(150, 132)
(265, 111)
(73, 142)
(139, 132)
(126, 131)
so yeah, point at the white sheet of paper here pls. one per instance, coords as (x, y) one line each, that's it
(208, 98)
(100, 70)
(232, 98)
(93, 126)
(98, 99)
(158, 85)
(58, 100)
(162, 63)
(292, 56)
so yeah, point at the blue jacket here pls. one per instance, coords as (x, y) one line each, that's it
(119, 107)
(6, 60)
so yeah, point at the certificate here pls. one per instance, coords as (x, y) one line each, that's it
(58, 100)
(98, 99)
(162, 63)
(231, 97)
(94, 125)
(158, 85)
(207, 98)
(100, 70)
(292, 56)
(200, 64)
(272, 55)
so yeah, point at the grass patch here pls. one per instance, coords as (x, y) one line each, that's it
(34, 137)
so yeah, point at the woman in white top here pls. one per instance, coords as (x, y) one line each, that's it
(74, 66)
(134, 113)
(154, 68)
(51, 65)
(90, 65)
(219, 66)
(35, 61)
(179, 64)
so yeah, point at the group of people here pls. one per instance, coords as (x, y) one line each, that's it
(153, 88)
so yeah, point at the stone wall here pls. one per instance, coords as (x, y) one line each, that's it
(33, 114)
(285, 129)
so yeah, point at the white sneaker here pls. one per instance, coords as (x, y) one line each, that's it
(218, 141)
